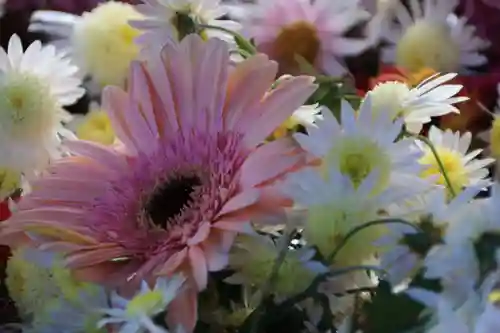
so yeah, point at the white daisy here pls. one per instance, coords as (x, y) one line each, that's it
(362, 143)
(34, 85)
(431, 98)
(336, 205)
(135, 315)
(455, 261)
(168, 21)
(402, 252)
(462, 167)
(313, 30)
(430, 35)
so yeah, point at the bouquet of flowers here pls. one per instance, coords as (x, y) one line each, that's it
(274, 166)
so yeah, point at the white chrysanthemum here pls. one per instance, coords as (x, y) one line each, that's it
(136, 315)
(474, 310)
(254, 257)
(34, 85)
(336, 205)
(167, 21)
(431, 98)
(361, 144)
(431, 36)
(462, 167)
(103, 42)
(401, 254)
(455, 261)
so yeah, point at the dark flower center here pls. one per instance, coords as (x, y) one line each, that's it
(170, 199)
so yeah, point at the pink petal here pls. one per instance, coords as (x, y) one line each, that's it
(240, 201)
(201, 234)
(217, 257)
(277, 107)
(247, 84)
(98, 255)
(115, 102)
(210, 98)
(179, 70)
(101, 154)
(269, 161)
(198, 265)
(242, 226)
(183, 310)
(173, 263)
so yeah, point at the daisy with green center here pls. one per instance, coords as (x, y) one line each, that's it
(363, 143)
(433, 97)
(254, 257)
(34, 85)
(312, 30)
(169, 21)
(401, 250)
(136, 315)
(462, 168)
(430, 35)
(336, 204)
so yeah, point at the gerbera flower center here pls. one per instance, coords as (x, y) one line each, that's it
(452, 163)
(300, 38)
(171, 198)
(26, 106)
(428, 44)
(357, 157)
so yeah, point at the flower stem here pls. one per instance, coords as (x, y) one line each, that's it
(242, 42)
(438, 160)
(359, 228)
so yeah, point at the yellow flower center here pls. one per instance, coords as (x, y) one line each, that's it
(357, 157)
(428, 44)
(96, 128)
(300, 38)
(452, 164)
(417, 77)
(27, 108)
(495, 138)
(148, 303)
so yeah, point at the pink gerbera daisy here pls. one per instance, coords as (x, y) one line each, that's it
(191, 173)
(311, 29)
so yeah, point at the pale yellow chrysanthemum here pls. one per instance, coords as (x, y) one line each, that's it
(36, 287)
(103, 42)
(10, 181)
(253, 259)
(96, 127)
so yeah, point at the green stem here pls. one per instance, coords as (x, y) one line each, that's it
(439, 162)
(240, 40)
(359, 228)
(267, 288)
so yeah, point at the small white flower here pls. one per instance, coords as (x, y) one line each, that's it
(432, 213)
(431, 98)
(462, 167)
(362, 143)
(34, 85)
(430, 35)
(167, 21)
(135, 315)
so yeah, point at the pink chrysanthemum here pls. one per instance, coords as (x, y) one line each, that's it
(191, 173)
(311, 29)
